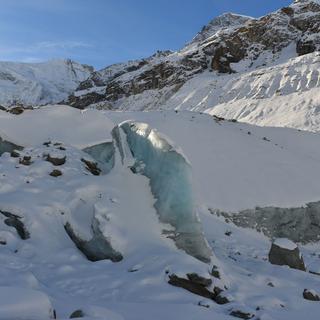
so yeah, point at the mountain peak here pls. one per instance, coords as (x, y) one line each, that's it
(225, 20)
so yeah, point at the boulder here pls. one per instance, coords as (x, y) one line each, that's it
(284, 252)
(237, 313)
(55, 173)
(56, 160)
(311, 295)
(77, 314)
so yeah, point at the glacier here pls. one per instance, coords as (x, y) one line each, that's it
(171, 184)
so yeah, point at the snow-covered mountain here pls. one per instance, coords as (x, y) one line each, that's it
(262, 71)
(175, 213)
(33, 84)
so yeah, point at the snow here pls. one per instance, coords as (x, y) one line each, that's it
(225, 21)
(57, 122)
(234, 170)
(24, 304)
(285, 244)
(285, 95)
(230, 170)
(40, 83)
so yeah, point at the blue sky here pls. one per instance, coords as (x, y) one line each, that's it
(102, 32)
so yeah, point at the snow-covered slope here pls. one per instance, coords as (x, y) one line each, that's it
(263, 71)
(40, 83)
(149, 209)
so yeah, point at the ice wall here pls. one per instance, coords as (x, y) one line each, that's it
(170, 182)
(104, 154)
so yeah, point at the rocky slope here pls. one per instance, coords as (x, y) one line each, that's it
(40, 83)
(233, 59)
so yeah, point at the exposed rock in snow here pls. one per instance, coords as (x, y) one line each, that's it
(13, 220)
(311, 295)
(285, 252)
(241, 314)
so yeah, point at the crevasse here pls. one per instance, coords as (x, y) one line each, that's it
(170, 182)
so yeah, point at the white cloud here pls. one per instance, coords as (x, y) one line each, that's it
(41, 50)
(61, 45)
(45, 46)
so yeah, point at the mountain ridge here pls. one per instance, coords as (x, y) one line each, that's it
(230, 47)
(199, 76)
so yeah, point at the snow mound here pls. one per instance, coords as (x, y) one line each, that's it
(57, 123)
(24, 304)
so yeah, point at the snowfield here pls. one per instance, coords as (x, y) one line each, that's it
(54, 223)
(40, 83)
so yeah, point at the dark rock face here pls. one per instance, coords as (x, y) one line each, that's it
(311, 295)
(286, 257)
(12, 220)
(305, 47)
(85, 100)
